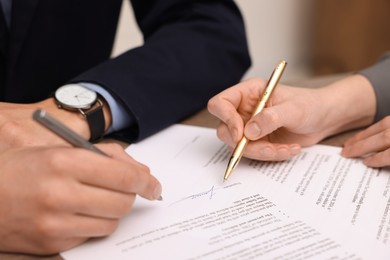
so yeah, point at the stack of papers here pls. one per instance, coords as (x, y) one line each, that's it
(317, 205)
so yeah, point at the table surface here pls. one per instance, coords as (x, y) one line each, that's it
(203, 118)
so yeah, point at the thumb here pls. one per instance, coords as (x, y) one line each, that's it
(264, 123)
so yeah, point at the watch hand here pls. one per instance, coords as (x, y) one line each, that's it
(77, 97)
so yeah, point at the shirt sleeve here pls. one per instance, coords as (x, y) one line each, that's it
(379, 76)
(120, 117)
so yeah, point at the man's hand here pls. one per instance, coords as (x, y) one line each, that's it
(54, 198)
(18, 129)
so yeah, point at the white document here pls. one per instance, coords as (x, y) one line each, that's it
(318, 205)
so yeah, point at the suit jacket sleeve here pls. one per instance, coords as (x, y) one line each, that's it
(192, 50)
(379, 76)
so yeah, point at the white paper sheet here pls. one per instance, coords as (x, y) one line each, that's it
(318, 205)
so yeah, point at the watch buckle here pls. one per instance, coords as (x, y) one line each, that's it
(98, 103)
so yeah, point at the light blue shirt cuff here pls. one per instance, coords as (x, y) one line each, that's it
(120, 117)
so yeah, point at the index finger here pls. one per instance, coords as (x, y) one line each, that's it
(235, 105)
(370, 131)
(127, 176)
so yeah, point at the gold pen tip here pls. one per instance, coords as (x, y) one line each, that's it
(231, 165)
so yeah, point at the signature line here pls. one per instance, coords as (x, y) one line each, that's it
(209, 193)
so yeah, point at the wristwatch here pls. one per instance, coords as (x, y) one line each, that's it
(75, 97)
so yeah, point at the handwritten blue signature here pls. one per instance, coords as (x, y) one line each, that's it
(208, 194)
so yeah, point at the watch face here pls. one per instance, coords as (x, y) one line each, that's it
(75, 96)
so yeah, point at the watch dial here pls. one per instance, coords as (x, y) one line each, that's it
(75, 96)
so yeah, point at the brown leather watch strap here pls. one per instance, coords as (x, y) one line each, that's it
(95, 119)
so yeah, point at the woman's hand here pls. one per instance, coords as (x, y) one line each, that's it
(294, 117)
(372, 143)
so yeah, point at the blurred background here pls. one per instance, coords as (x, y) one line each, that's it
(322, 37)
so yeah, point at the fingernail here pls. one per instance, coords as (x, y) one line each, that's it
(252, 130)
(295, 149)
(157, 192)
(267, 152)
(345, 151)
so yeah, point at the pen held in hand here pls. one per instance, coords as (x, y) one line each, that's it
(239, 150)
(66, 133)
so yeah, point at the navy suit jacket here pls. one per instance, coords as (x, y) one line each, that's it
(193, 49)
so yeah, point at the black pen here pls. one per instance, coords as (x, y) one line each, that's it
(64, 132)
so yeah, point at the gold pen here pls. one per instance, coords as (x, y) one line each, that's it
(239, 150)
